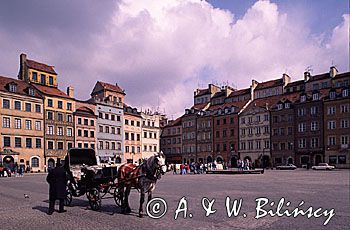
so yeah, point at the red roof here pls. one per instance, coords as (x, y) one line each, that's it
(114, 88)
(40, 66)
(295, 83)
(22, 86)
(341, 75)
(268, 102)
(238, 104)
(51, 91)
(175, 122)
(320, 77)
(239, 92)
(269, 84)
(199, 106)
(202, 92)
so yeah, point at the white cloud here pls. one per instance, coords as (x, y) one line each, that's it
(163, 49)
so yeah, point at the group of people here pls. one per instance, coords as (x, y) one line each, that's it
(12, 170)
(185, 168)
(244, 165)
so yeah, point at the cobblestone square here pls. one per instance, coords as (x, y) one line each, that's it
(325, 189)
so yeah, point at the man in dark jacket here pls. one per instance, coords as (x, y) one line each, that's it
(57, 181)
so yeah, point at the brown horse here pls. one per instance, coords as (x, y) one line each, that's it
(142, 178)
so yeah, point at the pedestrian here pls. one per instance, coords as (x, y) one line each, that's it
(188, 169)
(15, 169)
(174, 168)
(182, 169)
(21, 170)
(57, 181)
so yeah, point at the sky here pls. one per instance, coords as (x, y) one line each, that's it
(161, 51)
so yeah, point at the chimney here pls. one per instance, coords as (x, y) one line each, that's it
(23, 72)
(333, 72)
(306, 76)
(252, 88)
(286, 79)
(70, 91)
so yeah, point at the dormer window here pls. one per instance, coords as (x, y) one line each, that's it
(13, 88)
(279, 106)
(315, 96)
(287, 105)
(332, 95)
(303, 98)
(345, 93)
(31, 91)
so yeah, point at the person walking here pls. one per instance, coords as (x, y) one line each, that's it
(57, 181)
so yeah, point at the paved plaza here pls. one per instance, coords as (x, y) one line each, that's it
(325, 189)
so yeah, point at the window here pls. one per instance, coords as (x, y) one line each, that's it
(80, 145)
(127, 149)
(5, 103)
(60, 131)
(79, 132)
(100, 145)
(100, 129)
(331, 141)
(60, 104)
(50, 130)
(113, 130)
(100, 115)
(60, 117)
(113, 145)
(92, 123)
(86, 145)
(118, 118)
(79, 121)
(6, 122)
(49, 115)
(290, 130)
(86, 133)
(60, 145)
(302, 143)
(332, 95)
(28, 124)
(344, 123)
(28, 107)
(35, 162)
(301, 112)
(118, 131)
(13, 88)
(92, 134)
(344, 140)
(315, 96)
(344, 108)
(107, 129)
(38, 143)
(92, 146)
(17, 105)
(314, 110)
(43, 79)
(126, 136)
(7, 142)
(69, 132)
(314, 142)
(314, 125)
(35, 76)
(37, 125)
(331, 110)
(126, 122)
(266, 117)
(31, 92)
(301, 127)
(69, 118)
(315, 86)
(49, 103)
(50, 145)
(86, 121)
(303, 98)
(69, 145)
(113, 117)
(50, 80)
(107, 116)
(287, 105)
(18, 142)
(107, 145)
(279, 106)
(331, 124)
(29, 143)
(342, 159)
(345, 93)
(37, 108)
(332, 159)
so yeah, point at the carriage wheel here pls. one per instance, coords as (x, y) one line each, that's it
(118, 196)
(68, 198)
(94, 198)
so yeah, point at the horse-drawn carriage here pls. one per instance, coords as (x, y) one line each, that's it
(85, 176)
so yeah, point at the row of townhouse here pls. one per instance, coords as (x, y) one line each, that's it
(271, 123)
(40, 123)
